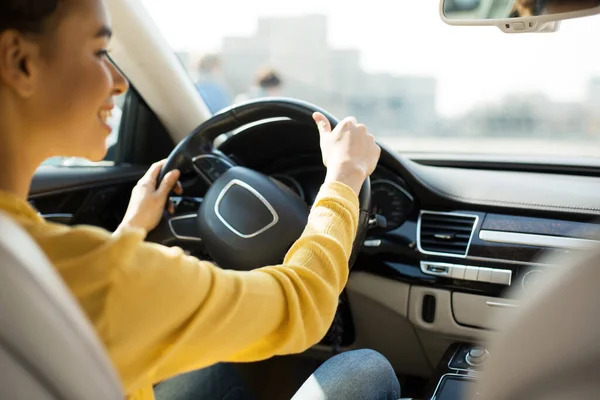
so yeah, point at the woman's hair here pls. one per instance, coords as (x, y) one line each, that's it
(26, 16)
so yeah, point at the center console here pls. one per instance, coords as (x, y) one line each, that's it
(454, 387)
(457, 372)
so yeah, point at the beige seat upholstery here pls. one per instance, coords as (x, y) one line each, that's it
(48, 350)
(550, 348)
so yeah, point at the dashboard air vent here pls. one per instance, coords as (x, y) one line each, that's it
(445, 233)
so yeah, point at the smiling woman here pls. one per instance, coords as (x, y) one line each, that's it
(55, 97)
(113, 119)
(22, 16)
(158, 311)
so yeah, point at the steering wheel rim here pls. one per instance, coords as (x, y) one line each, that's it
(288, 211)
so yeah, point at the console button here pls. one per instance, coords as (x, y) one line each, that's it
(476, 352)
(501, 276)
(458, 272)
(485, 275)
(437, 269)
(471, 273)
(477, 356)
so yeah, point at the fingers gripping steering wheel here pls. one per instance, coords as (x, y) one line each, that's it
(246, 219)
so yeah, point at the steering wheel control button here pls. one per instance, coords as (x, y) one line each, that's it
(501, 277)
(477, 356)
(484, 275)
(254, 218)
(378, 221)
(372, 243)
(471, 273)
(211, 166)
(185, 205)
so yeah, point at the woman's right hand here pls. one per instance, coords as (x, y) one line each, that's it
(349, 151)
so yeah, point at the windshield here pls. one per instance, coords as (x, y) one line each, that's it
(418, 84)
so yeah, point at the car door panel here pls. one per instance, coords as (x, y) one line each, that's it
(84, 195)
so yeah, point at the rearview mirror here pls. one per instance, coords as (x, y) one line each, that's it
(516, 15)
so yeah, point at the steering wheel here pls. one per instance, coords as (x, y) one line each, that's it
(246, 220)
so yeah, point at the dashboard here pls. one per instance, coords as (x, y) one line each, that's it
(465, 228)
(391, 200)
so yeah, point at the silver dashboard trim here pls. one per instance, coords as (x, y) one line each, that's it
(512, 262)
(259, 196)
(501, 305)
(450, 214)
(528, 239)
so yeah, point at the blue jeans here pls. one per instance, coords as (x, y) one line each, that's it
(359, 374)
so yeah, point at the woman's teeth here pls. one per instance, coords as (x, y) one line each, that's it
(105, 115)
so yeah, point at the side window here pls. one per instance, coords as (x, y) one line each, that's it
(111, 141)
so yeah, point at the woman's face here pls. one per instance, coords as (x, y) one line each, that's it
(71, 83)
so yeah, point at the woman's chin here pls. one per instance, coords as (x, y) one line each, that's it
(82, 150)
(94, 155)
(98, 155)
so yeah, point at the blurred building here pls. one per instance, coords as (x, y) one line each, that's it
(594, 92)
(593, 102)
(332, 78)
(532, 115)
(391, 105)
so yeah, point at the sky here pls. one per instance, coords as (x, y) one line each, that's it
(473, 65)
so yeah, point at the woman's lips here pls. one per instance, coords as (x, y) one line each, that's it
(105, 114)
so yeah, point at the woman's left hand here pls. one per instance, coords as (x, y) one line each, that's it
(147, 203)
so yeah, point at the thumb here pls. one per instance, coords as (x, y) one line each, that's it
(168, 183)
(322, 123)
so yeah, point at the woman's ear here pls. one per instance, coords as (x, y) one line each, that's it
(15, 54)
(23, 66)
